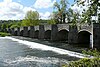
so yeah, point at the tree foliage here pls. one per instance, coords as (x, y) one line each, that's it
(72, 16)
(31, 18)
(53, 18)
(93, 8)
(61, 10)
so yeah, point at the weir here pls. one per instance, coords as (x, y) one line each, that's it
(49, 48)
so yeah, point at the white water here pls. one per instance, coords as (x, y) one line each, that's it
(34, 45)
(35, 61)
(46, 60)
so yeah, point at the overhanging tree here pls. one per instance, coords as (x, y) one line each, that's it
(93, 9)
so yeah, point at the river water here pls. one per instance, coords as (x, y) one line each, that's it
(23, 53)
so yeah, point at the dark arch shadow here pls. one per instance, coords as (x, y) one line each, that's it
(84, 38)
(47, 35)
(62, 35)
(21, 33)
(15, 33)
(36, 34)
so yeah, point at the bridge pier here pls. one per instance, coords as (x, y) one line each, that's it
(73, 35)
(25, 31)
(18, 31)
(36, 32)
(21, 31)
(96, 35)
(41, 32)
(31, 32)
(12, 31)
(54, 31)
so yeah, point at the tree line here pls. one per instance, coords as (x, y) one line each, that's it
(61, 14)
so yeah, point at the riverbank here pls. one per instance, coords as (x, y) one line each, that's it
(3, 34)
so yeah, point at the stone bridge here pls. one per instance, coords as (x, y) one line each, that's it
(80, 34)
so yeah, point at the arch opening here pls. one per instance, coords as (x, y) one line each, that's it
(84, 38)
(21, 33)
(62, 35)
(47, 35)
(15, 33)
(36, 34)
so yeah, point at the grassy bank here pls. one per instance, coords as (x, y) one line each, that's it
(3, 34)
(86, 62)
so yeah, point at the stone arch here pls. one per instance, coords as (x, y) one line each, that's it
(21, 33)
(36, 34)
(89, 31)
(84, 38)
(47, 35)
(62, 35)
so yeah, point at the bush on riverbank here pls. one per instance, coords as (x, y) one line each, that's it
(3, 34)
(86, 62)
(92, 52)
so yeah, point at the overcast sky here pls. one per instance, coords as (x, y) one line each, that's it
(16, 9)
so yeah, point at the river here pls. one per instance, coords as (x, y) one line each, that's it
(22, 53)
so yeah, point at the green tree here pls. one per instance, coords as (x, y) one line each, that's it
(61, 10)
(72, 16)
(15, 24)
(53, 18)
(31, 18)
(93, 8)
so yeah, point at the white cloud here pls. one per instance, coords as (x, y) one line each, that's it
(44, 3)
(15, 11)
(44, 15)
(28, 9)
(12, 11)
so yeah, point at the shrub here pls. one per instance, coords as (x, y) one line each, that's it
(92, 52)
(85, 62)
(2, 34)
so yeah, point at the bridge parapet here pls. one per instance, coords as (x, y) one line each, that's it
(63, 26)
(15, 29)
(29, 28)
(47, 27)
(85, 27)
(21, 28)
(36, 28)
